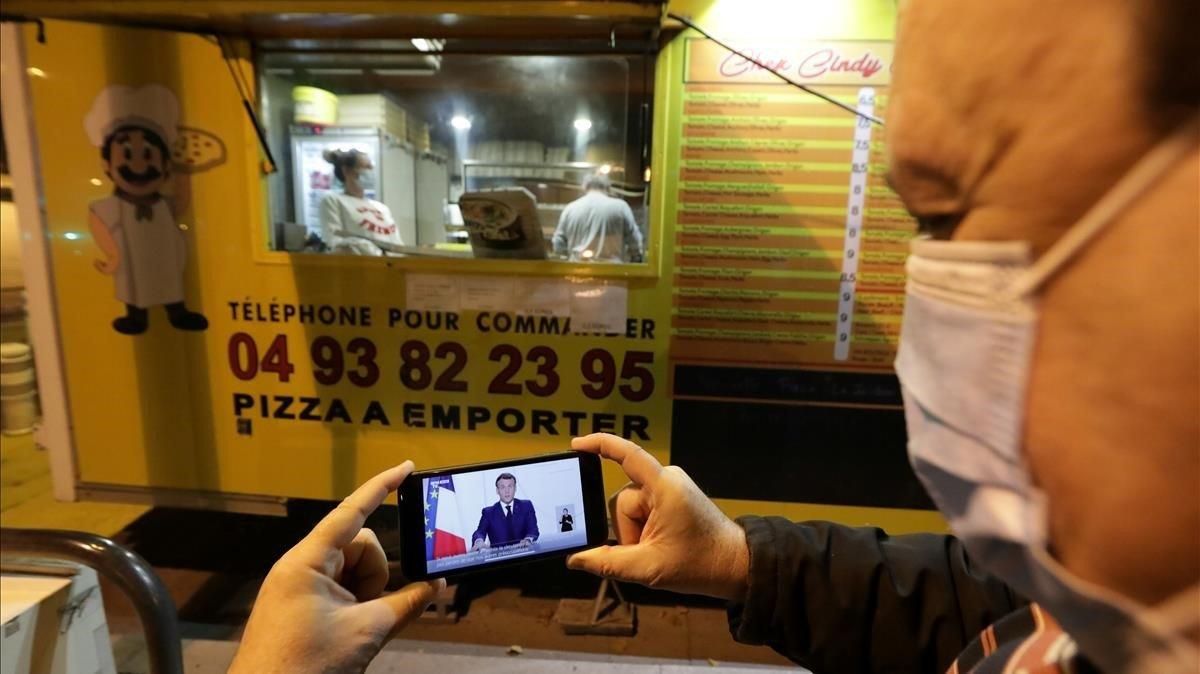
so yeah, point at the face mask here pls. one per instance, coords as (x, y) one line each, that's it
(970, 322)
(366, 179)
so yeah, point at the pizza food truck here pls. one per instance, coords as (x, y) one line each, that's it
(274, 247)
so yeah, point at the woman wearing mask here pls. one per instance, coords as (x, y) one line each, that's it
(351, 223)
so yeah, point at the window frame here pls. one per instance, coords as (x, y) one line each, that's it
(649, 268)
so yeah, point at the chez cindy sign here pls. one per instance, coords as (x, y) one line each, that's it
(848, 63)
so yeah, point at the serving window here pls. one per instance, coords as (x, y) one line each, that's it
(432, 149)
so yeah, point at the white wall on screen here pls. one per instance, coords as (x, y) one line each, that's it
(549, 484)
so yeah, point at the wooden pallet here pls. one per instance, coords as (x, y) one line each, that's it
(442, 611)
(605, 615)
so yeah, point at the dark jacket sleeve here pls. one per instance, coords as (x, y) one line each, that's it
(839, 599)
(481, 532)
(531, 527)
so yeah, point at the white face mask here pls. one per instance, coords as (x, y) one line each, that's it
(966, 346)
(366, 178)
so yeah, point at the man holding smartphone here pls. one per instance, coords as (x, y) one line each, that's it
(508, 521)
(1091, 512)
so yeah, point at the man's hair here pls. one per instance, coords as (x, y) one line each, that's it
(505, 476)
(597, 181)
(151, 136)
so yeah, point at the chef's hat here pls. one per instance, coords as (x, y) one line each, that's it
(153, 107)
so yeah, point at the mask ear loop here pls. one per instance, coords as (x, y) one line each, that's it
(1131, 186)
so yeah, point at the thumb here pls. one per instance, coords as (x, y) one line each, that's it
(391, 612)
(621, 562)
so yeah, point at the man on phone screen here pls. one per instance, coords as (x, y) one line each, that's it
(507, 521)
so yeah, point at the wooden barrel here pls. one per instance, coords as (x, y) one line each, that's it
(18, 389)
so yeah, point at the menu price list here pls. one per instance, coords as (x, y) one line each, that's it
(790, 247)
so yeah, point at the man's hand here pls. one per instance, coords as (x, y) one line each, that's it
(479, 545)
(671, 535)
(526, 542)
(322, 607)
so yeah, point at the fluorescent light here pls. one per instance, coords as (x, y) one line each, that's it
(96, 181)
(404, 72)
(422, 44)
(646, 175)
(459, 122)
(70, 236)
(583, 124)
(36, 72)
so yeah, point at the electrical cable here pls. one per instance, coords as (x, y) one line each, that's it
(244, 89)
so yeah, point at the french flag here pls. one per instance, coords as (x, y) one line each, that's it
(444, 534)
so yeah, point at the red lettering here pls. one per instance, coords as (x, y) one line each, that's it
(824, 61)
(816, 64)
(736, 66)
(276, 359)
(239, 342)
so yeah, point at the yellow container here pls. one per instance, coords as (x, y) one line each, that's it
(315, 106)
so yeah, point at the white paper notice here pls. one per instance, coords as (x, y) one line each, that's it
(542, 297)
(487, 293)
(432, 292)
(599, 307)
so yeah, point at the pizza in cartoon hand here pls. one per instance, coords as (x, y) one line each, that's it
(196, 150)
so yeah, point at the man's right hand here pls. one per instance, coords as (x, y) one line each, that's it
(671, 535)
(479, 545)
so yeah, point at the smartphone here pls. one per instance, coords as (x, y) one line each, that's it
(465, 518)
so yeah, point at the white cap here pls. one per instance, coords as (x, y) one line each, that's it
(152, 106)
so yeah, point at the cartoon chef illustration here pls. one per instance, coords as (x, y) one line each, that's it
(137, 227)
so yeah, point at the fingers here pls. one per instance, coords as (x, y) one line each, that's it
(635, 461)
(630, 515)
(621, 562)
(366, 569)
(393, 611)
(343, 524)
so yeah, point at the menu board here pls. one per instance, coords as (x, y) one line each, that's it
(790, 247)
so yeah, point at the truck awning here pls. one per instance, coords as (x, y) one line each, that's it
(617, 20)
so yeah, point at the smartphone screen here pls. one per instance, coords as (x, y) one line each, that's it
(497, 513)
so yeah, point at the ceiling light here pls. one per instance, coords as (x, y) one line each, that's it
(426, 45)
(459, 122)
(606, 169)
(36, 72)
(583, 124)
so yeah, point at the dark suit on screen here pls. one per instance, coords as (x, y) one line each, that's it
(500, 529)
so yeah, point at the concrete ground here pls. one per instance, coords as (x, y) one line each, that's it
(213, 563)
(408, 656)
